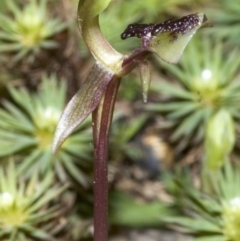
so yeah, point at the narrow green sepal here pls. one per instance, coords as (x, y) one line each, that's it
(145, 78)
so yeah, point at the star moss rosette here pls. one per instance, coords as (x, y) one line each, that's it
(27, 127)
(212, 216)
(226, 21)
(25, 210)
(27, 29)
(209, 81)
(231, 219)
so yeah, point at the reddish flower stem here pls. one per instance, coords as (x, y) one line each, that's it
(102, 117)
(131, 61)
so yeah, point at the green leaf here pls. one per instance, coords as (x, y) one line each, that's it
(171, 42)
(211, 238)
(124, 210)
(194, 225)
(219, 139)
(83, 103)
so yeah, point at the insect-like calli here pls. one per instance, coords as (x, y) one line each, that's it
(173, 26)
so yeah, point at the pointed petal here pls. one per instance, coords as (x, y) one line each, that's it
(172, 39)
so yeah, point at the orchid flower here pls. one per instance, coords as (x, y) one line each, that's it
(98, 93)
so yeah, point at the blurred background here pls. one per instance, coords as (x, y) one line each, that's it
(173, 162)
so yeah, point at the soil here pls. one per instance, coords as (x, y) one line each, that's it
(150, 235)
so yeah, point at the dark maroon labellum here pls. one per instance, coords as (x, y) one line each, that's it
(181, 25)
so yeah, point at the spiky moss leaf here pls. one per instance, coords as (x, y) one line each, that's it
(173, 90)
(190, 123)
(226, 183)
(170, 44)
(225, 18)
(14, 8)
(175, 109)
(124, 132)
(82, 104)
(121, 135)
(35, 233)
